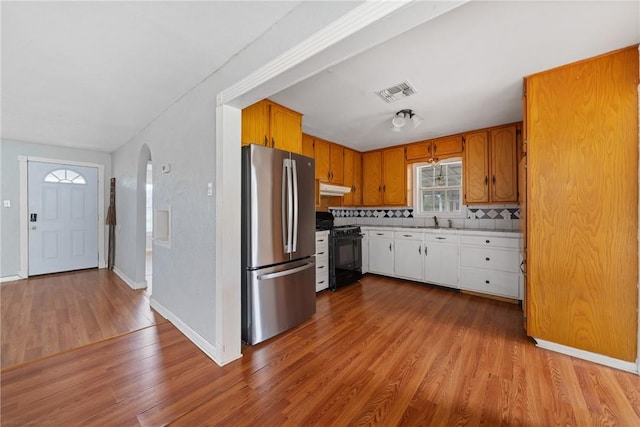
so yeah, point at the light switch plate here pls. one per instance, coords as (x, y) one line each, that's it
(210, 189)
(7, 203)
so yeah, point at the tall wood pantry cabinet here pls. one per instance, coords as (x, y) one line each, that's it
(270, 124)
(582, 205)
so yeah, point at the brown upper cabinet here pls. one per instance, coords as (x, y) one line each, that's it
(329, 161)
(437, 149)
(490, 166)
(384, 177)
(307, 146)
(352, 177)
(270, 124)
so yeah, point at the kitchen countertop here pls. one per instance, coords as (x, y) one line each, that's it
(481, 231)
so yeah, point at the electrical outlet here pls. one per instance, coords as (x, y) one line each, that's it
(7, 203)
(210, 189)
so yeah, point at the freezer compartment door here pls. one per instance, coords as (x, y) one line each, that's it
(277, 299)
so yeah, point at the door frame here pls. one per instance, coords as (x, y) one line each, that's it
(23, 273)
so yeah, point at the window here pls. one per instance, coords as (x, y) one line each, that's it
(65, 176)
(438, 187)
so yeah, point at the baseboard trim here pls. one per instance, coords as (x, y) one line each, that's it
(132, 284)
(207, 348)
(587, 355)
(9, 279)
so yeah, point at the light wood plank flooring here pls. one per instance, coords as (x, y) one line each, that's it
(382, 352)
(45, 315)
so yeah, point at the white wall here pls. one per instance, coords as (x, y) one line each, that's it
(184, 137)
(10, 190)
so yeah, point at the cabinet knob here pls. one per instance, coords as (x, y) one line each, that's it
(321, 266)
(389, 246)
(488, 241)
(487, 259)
(419, 250)
(487, 282)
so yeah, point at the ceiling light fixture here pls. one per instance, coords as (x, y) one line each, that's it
(400, 120)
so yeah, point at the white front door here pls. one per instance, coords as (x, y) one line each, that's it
(63, 217)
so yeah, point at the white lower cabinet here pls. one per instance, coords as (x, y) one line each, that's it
(381, 252)
(490, 265)
(365, 251)
(322, 260)
(408, 258)
(441, 259)
(478, 261)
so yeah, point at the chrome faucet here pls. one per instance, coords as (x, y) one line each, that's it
(435, 221)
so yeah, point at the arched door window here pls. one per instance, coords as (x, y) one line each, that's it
(65, 176)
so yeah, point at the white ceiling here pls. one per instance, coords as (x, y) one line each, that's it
(466, 65)
(93, 74)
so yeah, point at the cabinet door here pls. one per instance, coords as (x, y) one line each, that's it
(255, 124)
(441, 264)
(336, 163)
(381, 255)
(447, 147)
(394, 176)
(372, 178)
(322, 154)
(408, 259)
(347, 199)
(504, 183)
(286, 129)
(476, 168)
(365, 251)
(307, 145)
(418, 151)
(356, 189)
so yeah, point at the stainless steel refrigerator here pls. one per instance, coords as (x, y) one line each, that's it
(278, 241)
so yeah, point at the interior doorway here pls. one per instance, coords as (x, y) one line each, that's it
(149, 228)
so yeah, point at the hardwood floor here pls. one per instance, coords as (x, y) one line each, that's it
(382, 352)
(45, 315)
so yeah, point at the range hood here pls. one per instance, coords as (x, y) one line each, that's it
(333, 190)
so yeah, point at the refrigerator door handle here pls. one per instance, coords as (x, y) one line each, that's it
(289, 208)
(286, 272)
(285, 236)
(294, 173)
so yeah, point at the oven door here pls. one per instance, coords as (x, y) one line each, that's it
(345, 260)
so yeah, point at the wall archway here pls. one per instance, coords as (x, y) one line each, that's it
(141, 207)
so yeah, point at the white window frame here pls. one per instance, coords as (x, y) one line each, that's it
(417, 199)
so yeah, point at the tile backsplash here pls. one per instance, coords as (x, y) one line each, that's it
(498, 217)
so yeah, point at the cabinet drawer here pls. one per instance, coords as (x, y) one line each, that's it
(322, 237)
(373, 234)
(490, 241)
(493, 259)
(490, 282)
(322, 250)
(408, 235)
(441, 238)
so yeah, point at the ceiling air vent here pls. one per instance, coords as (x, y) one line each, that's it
(399, 91)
